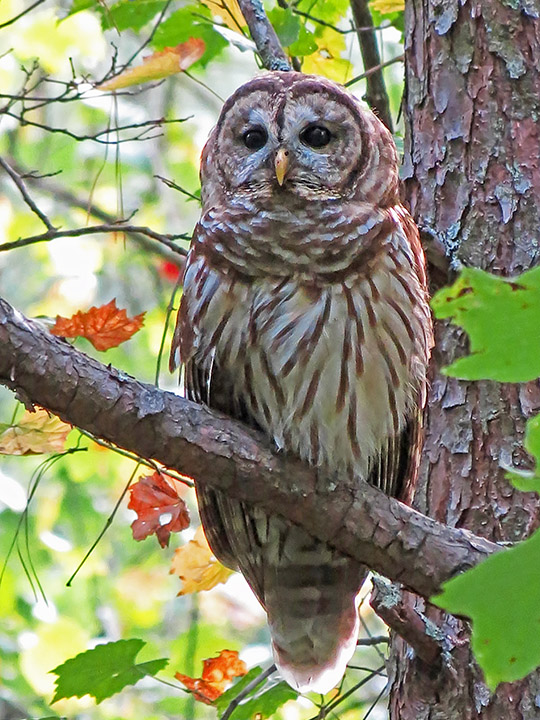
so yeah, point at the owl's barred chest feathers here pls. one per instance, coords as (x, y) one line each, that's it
(329, 370)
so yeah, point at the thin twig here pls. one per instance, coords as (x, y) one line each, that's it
(17, 179)
(373, 640)
(376, 95)
(63, 195)
(167, 240)
(174, 186)
(145, 128)
(20, 15)
(264, 36)
(245, 691)
(392, 61)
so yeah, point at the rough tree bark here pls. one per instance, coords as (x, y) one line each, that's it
(472, 108)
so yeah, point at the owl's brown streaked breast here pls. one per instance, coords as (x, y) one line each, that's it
(328, 372)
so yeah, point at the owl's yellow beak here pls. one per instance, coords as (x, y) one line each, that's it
(281, 163)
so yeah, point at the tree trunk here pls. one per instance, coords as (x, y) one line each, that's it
(472, 175)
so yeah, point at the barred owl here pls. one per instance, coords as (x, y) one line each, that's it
(305, 314)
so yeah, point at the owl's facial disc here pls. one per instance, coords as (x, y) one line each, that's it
(297, 140)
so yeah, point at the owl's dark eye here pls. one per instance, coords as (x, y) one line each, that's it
(255, 138)
(316, 136)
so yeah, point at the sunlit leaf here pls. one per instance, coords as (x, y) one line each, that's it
(217, 674)
(331, 11)
(385, 7)
(35, 433)
(229, 12)
(103, 671)
(502, 598)
(327, 60)
(55, 643)
(197, 567)
(160, 65)
(159, 508)
(105, 326)
(501, 317)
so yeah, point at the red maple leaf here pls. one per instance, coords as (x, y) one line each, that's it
(159, 509)
(104, 326)
(217, 674)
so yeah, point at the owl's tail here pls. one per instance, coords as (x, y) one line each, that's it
(310, 595)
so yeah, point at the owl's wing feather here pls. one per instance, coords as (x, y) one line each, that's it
(232, 529)
(397, 463)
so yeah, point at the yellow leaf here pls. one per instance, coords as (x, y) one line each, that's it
(229, 11)
(35, 433)
(327, 60)
(385, 7)
(197, 567)
(159, 65)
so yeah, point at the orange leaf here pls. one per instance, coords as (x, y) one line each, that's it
(159, 65)
(105, 326)
(35, 433)
(197, 567)
(159, 509)
(217, 674)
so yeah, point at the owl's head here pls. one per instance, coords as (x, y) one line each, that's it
(286, 134)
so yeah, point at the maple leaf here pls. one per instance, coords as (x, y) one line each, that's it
(106, 326)
(217, 674)
(159, 65)
(35, 433)
(159, 509)
(197, 567)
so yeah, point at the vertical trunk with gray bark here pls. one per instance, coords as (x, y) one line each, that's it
(472, 171)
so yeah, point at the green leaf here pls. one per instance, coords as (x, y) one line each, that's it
(286, 25)
(529, 480)
(305, 45)
(223, 701)
(331, 11)
(267, 703)
(103, 671)
(132, 14)
(78, 5)
(502, 598)
(263, 703)
(501, 317)
(187, 23)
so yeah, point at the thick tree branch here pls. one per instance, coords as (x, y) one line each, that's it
(379, 531)
(376, 95)
(264, 36)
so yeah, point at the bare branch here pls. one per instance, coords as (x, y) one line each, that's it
(17, 179)
(147, 240)
(120, 226)
(264, 36)
(354, 517)
(376, 95)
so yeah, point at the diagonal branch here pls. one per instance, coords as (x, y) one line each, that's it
(359, 520)
(264, 36)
